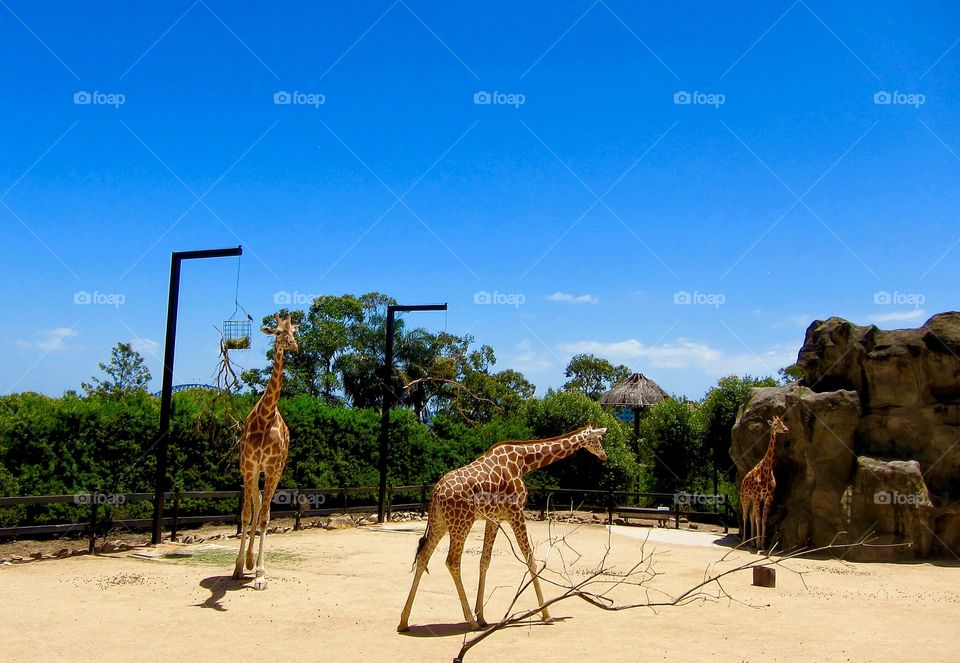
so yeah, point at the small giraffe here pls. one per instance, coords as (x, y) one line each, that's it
(492, 488)
(264, 443)
(758, 487)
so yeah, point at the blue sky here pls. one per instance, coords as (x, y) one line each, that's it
(680, 187)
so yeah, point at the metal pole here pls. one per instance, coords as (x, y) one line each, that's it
(166, 389)
(389, 398)
(93, 520)
(166, 392)
(716, 484)
(636, 430)
(386, 404)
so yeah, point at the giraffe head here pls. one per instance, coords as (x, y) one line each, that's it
(593, 440)
(285, 331)
(777, 426)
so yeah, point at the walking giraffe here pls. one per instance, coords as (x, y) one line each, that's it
(758, 486)
(264, 443)
(492, 488)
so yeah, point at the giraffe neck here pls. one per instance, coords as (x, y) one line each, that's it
(768, 458)
(536, 453)
(268, 402)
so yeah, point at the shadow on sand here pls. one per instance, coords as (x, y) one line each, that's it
(219, 586)
(462, 628)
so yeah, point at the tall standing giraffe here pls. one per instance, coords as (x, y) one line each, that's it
(758, 486)
(264, 442)
(492, 488)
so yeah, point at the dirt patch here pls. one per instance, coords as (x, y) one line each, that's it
(337, 595)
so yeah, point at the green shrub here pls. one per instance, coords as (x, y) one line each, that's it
(76, 445)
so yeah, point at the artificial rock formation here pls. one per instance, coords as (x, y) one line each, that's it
(874, 442)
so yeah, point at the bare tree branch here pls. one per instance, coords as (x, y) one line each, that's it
(456, 402)
(596, 587)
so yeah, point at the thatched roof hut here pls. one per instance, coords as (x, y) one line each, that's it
(635, 392)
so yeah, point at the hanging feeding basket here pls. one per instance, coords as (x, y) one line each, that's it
(236, 334)
(236, 330)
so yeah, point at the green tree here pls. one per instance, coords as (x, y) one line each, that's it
(360, 367)
(126, 372)
(592, 375)
(427, 364)
(790, 373)
(718, 413)
(488, 396)
(341, 354)
(671, 445)
(325, 334)
(470, 390)
(341, 346)
(560, 412)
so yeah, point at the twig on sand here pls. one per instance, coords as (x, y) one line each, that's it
(595, 589)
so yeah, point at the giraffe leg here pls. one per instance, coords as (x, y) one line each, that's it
(246, 525)
(745, 507)
(757, 518)
(458, 536)
(255, 499)
(767, 503)
(489, 535)
(269, 487)
(431, 537)
(519, 527)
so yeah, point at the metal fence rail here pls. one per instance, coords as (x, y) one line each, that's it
(300, 503)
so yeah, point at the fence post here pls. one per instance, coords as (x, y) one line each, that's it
(676, 513)
(543, 504)
(386, 516)
(176, 514)
(240, 513)
(610, 507)
(423, 499)
(299, 513)
(93, 520)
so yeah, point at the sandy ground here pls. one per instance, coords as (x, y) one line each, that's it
(336, 596)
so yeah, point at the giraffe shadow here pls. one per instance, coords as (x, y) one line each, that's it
(218, 587)
(463, 628)
(733, 541)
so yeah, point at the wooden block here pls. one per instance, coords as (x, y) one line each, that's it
(764, 576)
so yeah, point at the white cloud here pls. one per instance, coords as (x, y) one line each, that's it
(145, 345)
(49, 340)
(528, 360)
(913, 315)
(685, 354)
(572, 299)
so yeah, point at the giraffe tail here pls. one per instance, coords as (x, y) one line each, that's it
(420, 546)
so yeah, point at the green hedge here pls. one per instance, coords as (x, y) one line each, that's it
(75, 445)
